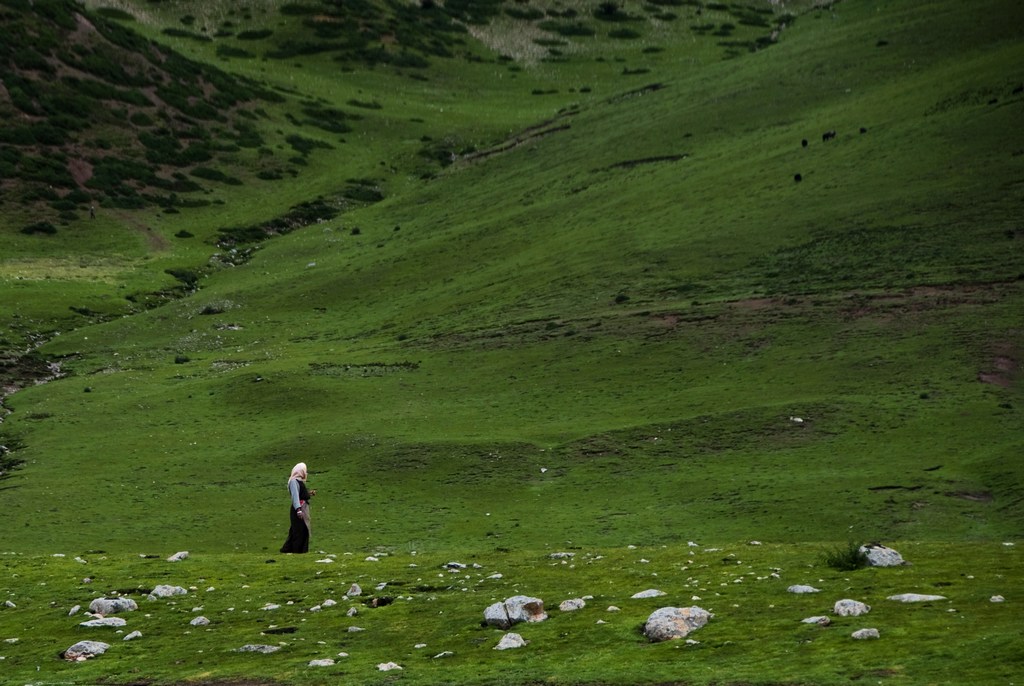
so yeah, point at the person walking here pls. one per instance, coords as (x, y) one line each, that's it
(299, 528)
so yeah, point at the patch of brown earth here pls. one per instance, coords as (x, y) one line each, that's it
(80, 170)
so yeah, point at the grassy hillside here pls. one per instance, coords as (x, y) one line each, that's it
(591, 296)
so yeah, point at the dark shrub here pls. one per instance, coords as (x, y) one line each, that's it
(844, 558)
(45, 228)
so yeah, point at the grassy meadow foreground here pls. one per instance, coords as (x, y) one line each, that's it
(512, 279)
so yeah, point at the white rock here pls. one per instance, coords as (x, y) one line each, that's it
(10, 604)
(850, 608)
(445, 654)
(200, 621)
(510, 641)
(132, 636)
(572, 605)
(822, 621)
(371, 558)
(74, 610)
(325, 561)
(111, 606)
(612, 608)
(669, 623)
(880, 556)
(800, 588)
(257, 648)
(562, 556)
(388, 666)
(329, 603)
(165, 591)
(355, 629)
(342, 654)
(649, 593)
(420, 646)
(352, 612)
(326, 662)
(105, 621)
(997, 599)
(84, 650)
(354, 590)
(519, 608)
(315, 608)
(271, 606)
(862, 634)
(915, 598)
(179, 556)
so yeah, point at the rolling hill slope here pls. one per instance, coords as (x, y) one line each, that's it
(646, 276)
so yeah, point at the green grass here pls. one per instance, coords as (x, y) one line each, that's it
(593, 328)
(755, 631)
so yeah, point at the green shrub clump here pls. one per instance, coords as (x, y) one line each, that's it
(845, 558)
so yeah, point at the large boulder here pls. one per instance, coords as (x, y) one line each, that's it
(668, 623)
(850, 608)
(111, 606)
(519, 608)
(880, 556)
(84, 650)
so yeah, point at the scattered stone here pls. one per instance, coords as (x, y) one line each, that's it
(315, 608)
(342, 654)
(85, 650)
(10, 604)
(880, 556)
(562, 556)
(329, 603)
(510, 641)
(372, 558)
(649, 593)
(200, 621)
(916, 598)
(104, 621)
(111, 606)
(443, 655)
(388, 666)
(668, 623)
(326, 662)
(257, 648)
(514, 610)
(613, 608)
(132, 636)
(352, 612)
(572, 605)
(800, 588)
(820, 621)
(862, 634)
(325, 561)
(271, 606)
(420, 646)
(454, 565)
(165, 591)
(74, 610)
(355, 629)
(755, 543)
(997, 599)
(354, 590)
(179, 556)
(850, 608)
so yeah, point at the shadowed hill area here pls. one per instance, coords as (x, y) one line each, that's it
(626, 290)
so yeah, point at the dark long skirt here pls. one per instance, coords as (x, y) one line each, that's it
(298, 535)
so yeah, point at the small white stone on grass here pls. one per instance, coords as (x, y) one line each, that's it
(388, 666)
(104, 622)
(326, 662)
(84, 650)
(257, 648)
(200, 621)
(572, 605)
(132, 636)
(354, 590)
(820, 620)
(612, 608)
(916, 598)
(445, 654)
(179, 556)
(862, 634)
(649, 593)
(997, 599)
(74, 610)
(801, 588)
(329, 603)
(8, 603)
(355, 629)
(510, 641)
